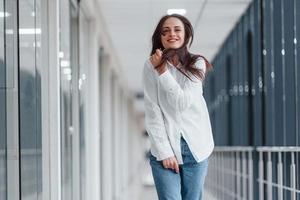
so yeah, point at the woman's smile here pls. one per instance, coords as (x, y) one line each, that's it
(172, 40)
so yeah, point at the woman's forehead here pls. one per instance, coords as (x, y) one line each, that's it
(172, 22)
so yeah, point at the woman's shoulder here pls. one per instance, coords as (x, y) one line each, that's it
(200, 63)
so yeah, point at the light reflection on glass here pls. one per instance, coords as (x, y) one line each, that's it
(2, 107)
(4, 14)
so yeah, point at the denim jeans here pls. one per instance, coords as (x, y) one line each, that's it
(187, 185)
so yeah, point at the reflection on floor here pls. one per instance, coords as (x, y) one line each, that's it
(148, 192)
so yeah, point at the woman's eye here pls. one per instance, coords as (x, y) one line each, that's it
(165, 32)
(177, 30)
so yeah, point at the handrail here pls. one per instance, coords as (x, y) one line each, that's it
(233, 148)
(259, 148)
(278, 149)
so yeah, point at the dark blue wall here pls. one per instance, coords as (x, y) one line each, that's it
(253, 92)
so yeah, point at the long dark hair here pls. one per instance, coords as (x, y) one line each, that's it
(187, 59)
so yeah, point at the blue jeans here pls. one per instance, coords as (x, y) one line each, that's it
(187, 185)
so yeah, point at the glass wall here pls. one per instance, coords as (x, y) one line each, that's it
(30, 98)
(2, 107)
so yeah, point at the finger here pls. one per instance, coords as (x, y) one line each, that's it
(176, 167)
(156, 57)
(165, 164)
(173, 165)
(168, 164)
(151, 58)
(158, 52)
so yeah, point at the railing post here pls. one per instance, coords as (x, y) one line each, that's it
(218, 176)
(261, 176)
(233, 173)
(244, 175)
(238, 183)
(269, 176)
(222, 174)
(250, 183)
(293, 177)
(280, 177)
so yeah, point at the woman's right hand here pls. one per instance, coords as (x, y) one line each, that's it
(156, 57)
(155, 60)
(171, 163)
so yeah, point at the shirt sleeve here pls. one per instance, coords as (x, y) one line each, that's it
(182, 97)
(153, 115)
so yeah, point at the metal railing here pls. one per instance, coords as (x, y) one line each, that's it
(230, 173)
(247, 173)
(281, 165)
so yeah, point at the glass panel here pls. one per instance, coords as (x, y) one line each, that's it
(30, 108)
(66, 67)
(38, 64)
(83, 46)
(2, 107)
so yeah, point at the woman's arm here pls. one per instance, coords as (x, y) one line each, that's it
(153, 115)
(182, 98)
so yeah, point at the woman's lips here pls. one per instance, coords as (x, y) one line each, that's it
(172, 40)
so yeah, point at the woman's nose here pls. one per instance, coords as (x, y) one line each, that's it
(172, 33)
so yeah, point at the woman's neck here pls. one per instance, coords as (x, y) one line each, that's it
(175, 60)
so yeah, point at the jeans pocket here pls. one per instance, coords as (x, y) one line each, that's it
(152, 159)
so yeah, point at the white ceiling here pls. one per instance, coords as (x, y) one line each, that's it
(131, 23)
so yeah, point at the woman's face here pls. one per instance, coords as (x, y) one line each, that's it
(172, 33)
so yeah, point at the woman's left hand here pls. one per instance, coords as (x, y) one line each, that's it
(171, 163)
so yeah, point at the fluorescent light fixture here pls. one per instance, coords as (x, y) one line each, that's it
(61, 54)
(4, 14)
(29, 31)
(65, 63)
(176, 11)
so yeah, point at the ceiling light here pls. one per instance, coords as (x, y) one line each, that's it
(176, 11)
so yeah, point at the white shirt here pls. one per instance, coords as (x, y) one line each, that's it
(175, 107)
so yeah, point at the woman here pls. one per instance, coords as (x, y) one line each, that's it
(176, 115)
